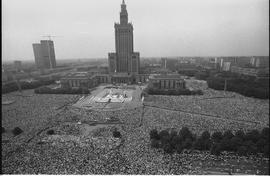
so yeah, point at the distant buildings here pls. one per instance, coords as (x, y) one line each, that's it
(259, 62)
(251, 66)
(18, 65)
(256, 72)
(44, 54)
(163, 63)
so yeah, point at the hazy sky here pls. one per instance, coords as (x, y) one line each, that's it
(85, 28)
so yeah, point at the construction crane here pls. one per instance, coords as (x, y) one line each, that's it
(49, 37)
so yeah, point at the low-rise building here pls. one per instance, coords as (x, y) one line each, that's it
(89, 80)
(76, 80)
(171, 82)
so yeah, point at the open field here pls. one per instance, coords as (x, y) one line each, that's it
(89, 148)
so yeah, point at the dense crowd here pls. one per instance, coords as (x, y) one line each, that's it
(70, 150)
(32, 113)
(228, 106)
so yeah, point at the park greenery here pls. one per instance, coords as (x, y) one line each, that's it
(245, 85)
(13, 86)
(243, 144)
(154, 91)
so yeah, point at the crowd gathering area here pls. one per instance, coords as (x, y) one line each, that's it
(51, 138)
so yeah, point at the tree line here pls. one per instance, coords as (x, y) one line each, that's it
(250, 143)
(13, 86)
(245, 85)
(154, 91)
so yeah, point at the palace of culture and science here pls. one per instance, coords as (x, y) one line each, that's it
(124, 60)
(124, 64)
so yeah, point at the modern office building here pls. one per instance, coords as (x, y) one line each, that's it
(44, 54)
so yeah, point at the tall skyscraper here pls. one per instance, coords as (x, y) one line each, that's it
(124, 60)
(44, 54)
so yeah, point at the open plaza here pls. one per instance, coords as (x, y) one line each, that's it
(111, 97)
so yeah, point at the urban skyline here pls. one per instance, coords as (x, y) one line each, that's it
(182, 31)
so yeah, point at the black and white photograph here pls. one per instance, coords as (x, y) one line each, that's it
(135, 87)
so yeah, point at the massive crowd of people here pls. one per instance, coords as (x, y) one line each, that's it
(70, 151)
(216, 103)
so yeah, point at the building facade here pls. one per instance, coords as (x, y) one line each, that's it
(169, 82)
(124, 60)
(44, 54)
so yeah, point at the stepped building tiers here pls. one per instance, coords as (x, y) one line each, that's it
(124, 64)
(124, 60)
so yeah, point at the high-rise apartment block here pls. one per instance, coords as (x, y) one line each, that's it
(44, 54)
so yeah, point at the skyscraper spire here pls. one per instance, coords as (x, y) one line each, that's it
(123, 13)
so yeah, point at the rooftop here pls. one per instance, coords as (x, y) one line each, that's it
(167, 76)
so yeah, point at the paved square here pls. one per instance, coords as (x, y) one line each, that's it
(111, 98)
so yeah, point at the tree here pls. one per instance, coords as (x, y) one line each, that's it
(168, 148)
(260, 144)
(225, 144)
(203, 142)
(164, 134)
(155, 143)
(175, 141)
(179, 148)
(205, 135)
(173, 134)
(235, 142)
(116, 134)
(187, 144)
(265, 133)
(240, 134)
(216, 149)
(251, 147)
(252, 135)
(50, 132)
(198, 144)
(242, 150)
(266, 150)
(16, 131)
(184, 133)
(216, 137)
(228, 135)
(154, 134)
